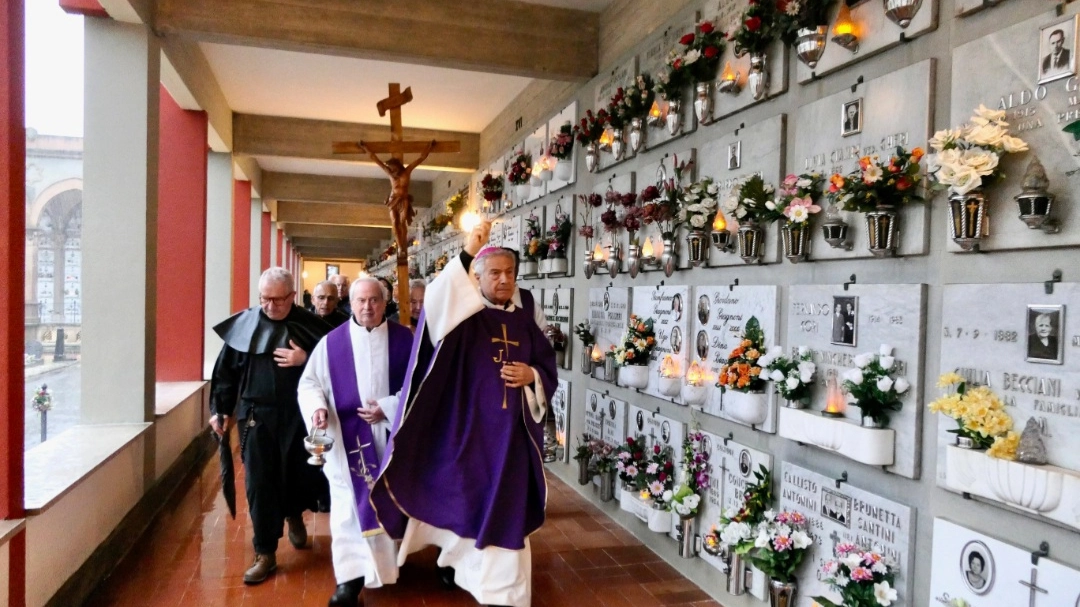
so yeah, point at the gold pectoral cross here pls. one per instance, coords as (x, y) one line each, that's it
(504, 355)
(364, 471)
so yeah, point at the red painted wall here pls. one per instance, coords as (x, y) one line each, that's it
(241, 244)
(86, 8)
(280, 246)
(12, 274)
(264, 256)
(181, 285)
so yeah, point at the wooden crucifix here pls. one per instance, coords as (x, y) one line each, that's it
(399, 201)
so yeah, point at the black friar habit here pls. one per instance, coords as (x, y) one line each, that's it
(249, 386)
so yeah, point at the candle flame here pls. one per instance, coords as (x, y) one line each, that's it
(607, 137)
(597, 355)
(835, 402)
(647, 248)
(719, 224)
(844, 25)
(729, 74)
(654, 111)
(670, 367)
(695, 375)
(598, 253)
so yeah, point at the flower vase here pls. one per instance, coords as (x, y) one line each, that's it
(607, 486)
(557, 264)
(697, 247)
(545, 175)
(801, 403)
(637, 134)
(584, 475)
(782, 594)
(967, 218)
(627, 498)
(736, 574)
(669, 386)
(659, 520)
(870, 422)
(564, 169)
(529, 268)
(687, 537)
(796, 239)
(703, 102)
(560, 358)
(882, 231)
(758, 78)
(669, 258)
(586, 360)
(965, 442)
(618, 146)
(634, 376)
(673, 120)
(810, 44)
(902, 12)
(522, 190)
(750, 237)
(750, 408)
(609, 369)
(592, 157)
(543, 266)
(535, 180)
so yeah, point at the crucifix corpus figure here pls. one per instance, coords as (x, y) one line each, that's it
(400, 174)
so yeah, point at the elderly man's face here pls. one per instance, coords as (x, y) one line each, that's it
(498, 280)
(416, 301)
(1057, 41)
(368, 305)
(275, 299)
(1043, 327)
(325, 299)
(342, 284)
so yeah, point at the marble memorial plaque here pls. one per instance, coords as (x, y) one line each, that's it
(757, 149)
(837, 324)
(985, 572)
(970, 7)
(732, 466)
(558, 307)
(560, 410)
(1036, 113)
(876, 33)
(720, 316)
(563, 206)
(669, 309)
(536, 144)
(512, 232)
(605, 417)
(727, 16)
(895, 111)
(567, 115)
(657, 429)
(847, 514)
(657, 173)
(622, 183)
(619, 76)
(609, 310)
(653, 62)
(540, 213)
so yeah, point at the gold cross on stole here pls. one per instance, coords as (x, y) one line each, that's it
(501, 358)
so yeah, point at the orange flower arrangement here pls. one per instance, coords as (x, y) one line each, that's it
(742, 371)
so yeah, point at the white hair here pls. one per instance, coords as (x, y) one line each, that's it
(326, 283)
(278, 274)
(366, 280)
(417, 283)
(479, 263)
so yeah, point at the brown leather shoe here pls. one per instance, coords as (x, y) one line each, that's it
(297, 532)
(264, 565)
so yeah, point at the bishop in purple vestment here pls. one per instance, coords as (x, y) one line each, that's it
(350, 389)
(465, 462)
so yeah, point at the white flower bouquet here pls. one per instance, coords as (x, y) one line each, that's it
(968, 157)
(872, 385)
(793, 375)
(698, 204)
(753, 200)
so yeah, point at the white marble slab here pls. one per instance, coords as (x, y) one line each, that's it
(621, 75)
(560, 409)
(652, 61)
(889, 119)
(657, 429)
(609, 310)
(563, 205)
(726, 14)
(970, 7)
(1009, 577)
(623, 183)
(568, 114)
(512, 232)
(1036, 113)
(536, 144)
(720, 316)
(755, 149)
(605, 417)
(884, 314)
(843, 513)
(656, 173)
(558, 310)
(669, 308)
(522, 215)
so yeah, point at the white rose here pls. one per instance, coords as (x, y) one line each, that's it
(803, 183)
(770, 205)
(885, 350)
(988, 134)
(692, 500)
(854, 376)
(806, 371)
(886, 362)
(709, 203)
(966, 180)
(801, 540)
(667, 495)
(861, 360)
(695, 208)
(942, 138)
(713, 189)
(691, 56)
(730, 204)
(945, 174)
(682, 509)
(988, 114)
(792, 383)
(984, 163)
(768, 188)
(695, 189)
(1013, 145)
(697, 221)
(740, 212)
(884, 383)
(803, 350)
(777, 375)
(853, 561)
(901, 385)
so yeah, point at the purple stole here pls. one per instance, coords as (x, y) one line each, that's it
(356, 435)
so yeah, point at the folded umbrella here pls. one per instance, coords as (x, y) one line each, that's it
(228, 476)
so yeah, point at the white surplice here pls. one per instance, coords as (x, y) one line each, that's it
(354, 554)
(493, 575)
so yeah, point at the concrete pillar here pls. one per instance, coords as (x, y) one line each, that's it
(218, 253)
(119, 238)
(255, 257)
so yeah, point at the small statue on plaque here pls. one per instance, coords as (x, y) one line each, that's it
(1031, 449)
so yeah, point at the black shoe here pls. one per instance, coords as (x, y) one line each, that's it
(446, 576)
(347, 594)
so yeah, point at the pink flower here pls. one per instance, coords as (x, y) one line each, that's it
(862, 574)
(790, 181)
(871, 557)
(796, 518)
(845, 548)
(782, 543)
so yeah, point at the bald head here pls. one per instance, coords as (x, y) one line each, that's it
(342, 283)
(325, 298)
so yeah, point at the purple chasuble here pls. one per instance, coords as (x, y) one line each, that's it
(468, 453)
(356, 434)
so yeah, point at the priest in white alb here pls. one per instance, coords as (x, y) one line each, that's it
(465, 462)
(350, 389)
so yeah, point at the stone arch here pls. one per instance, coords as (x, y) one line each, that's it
(71, 189)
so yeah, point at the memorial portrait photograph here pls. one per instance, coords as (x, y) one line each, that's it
(746, 463)
(734, 155)
(611, 409)
(1044, 331)
(676, 307)
(703, 309)
(1057, 50)
(592, 403)
(640, 421)
(676, 340)
(851, 118)
(332, 269)
(845, 320)
(703, 345)
(665, 432)
(836, 506)
(977, 567)
(607, 301)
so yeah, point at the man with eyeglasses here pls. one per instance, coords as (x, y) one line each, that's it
(326, 304)
(254, 382)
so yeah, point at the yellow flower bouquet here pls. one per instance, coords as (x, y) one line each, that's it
(980, 416)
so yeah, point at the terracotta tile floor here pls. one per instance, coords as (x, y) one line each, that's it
(195, 554)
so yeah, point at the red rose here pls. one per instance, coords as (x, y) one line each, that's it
(711, 51)
(656, 449)
(781, 5)
(903, 183)
(686, 40)
(677, 65)
(753, 24)
(706, 27)
(662, 477)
